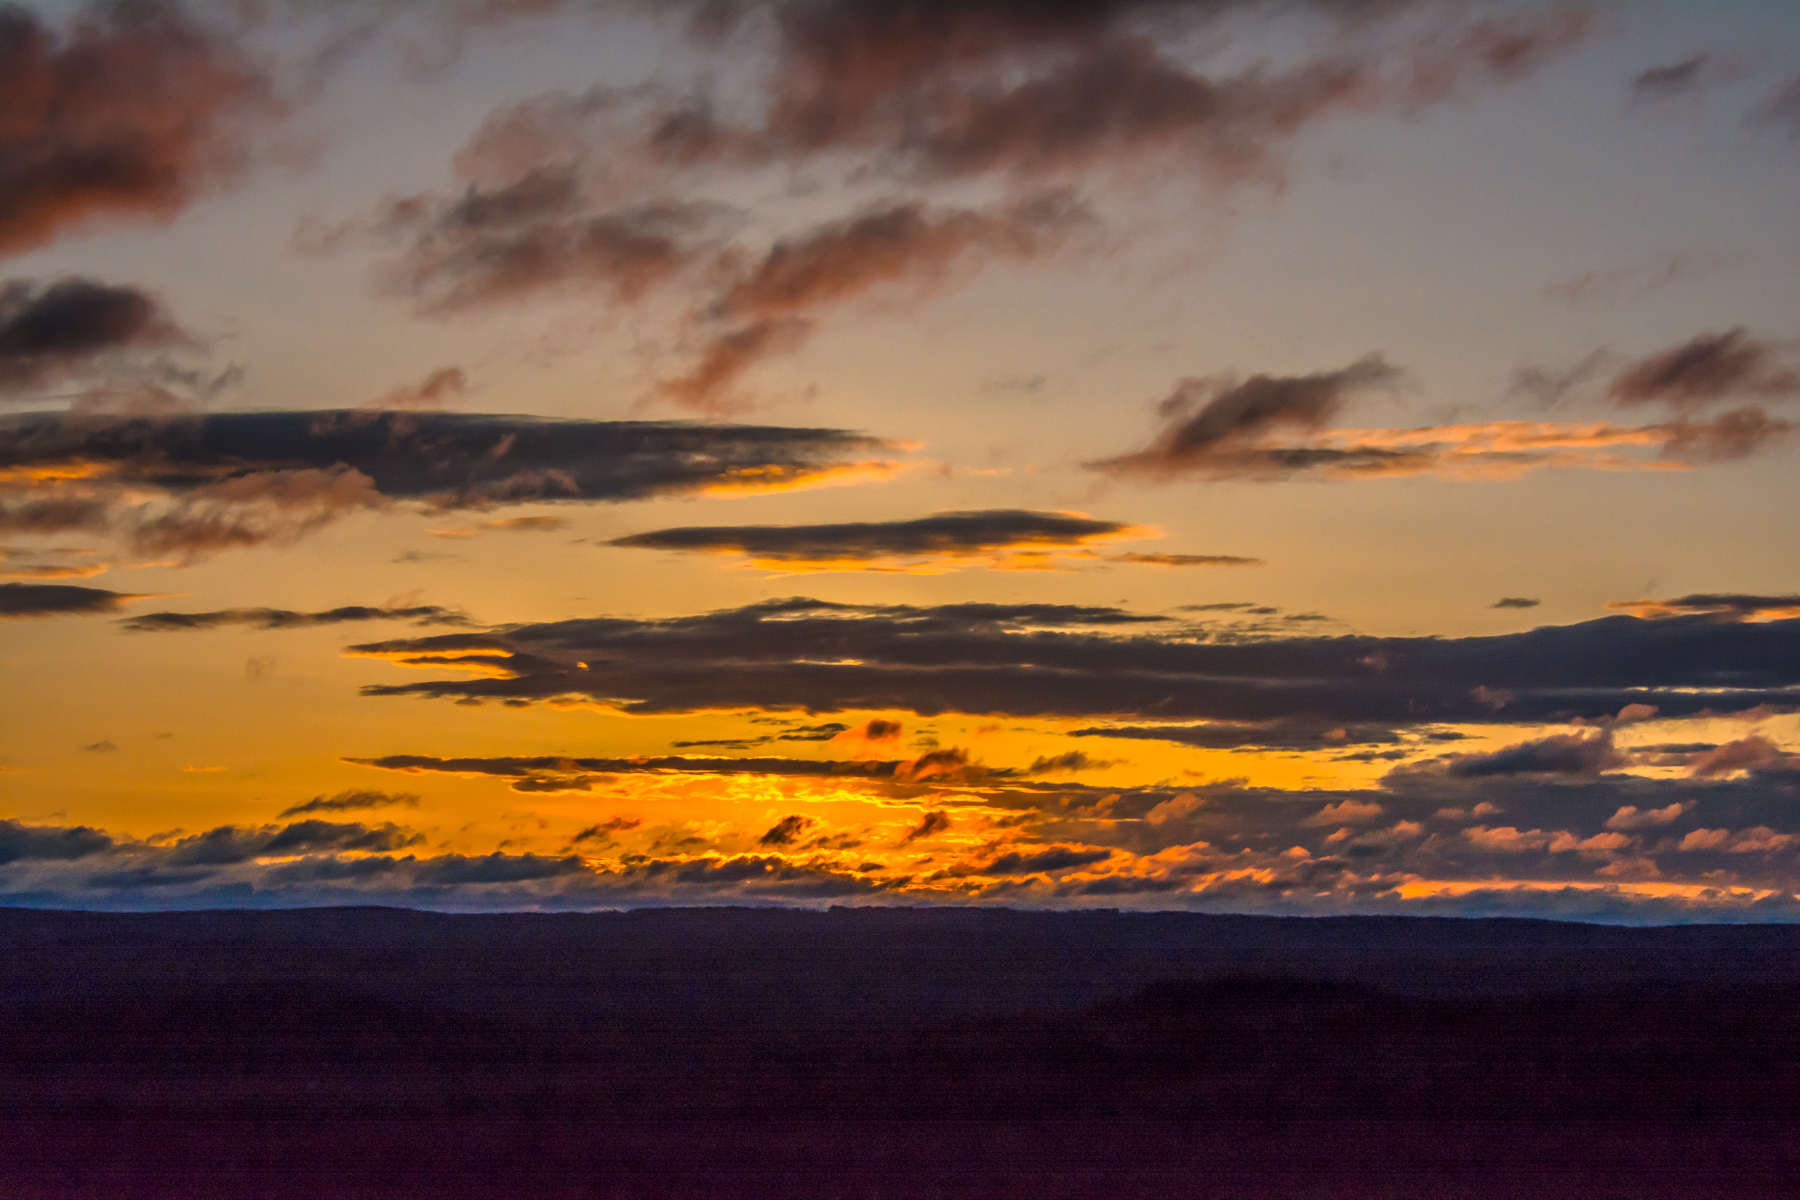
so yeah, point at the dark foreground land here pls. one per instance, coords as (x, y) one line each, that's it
(350, 1053)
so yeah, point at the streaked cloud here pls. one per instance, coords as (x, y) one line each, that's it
(280, 618)
(193, 485)
(59, 599)
(1000, 538)
(1040, 661)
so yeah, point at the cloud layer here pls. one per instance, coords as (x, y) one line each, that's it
(241, 479)
(1047, 660)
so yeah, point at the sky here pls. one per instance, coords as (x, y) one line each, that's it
(1272, 456)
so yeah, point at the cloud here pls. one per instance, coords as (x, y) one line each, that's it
(1781, 110)
(449, 870)
(1560, 754)
(553, 773)
(636, 196)
(769, 306)
(433, 392)
(1049, 859)
(1709, 367)
(19, 841)
(786, 831)
(1185, 560)
(1614, 847)
(58, 599)
(1215, 427)
(280, 618)
(1000, 537)
(101, 747)
(950, 765)
(1515, 602)
(875, 729)
(1744, 754)
(538, 234)
(1346, 812)
(1000, 88)
(1675, 79)
(232, 844)
(931, 824)
(1275, 428)
(56, 332)
(1058, 764)
(1723, 606)
(604, 830)
(352, 800)
(1680, 266)
(134, 112)
(1629, 817)
(1049, 660)
(1248, 735)
(198, 484)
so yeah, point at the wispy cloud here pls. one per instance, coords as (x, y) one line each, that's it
(133, 111)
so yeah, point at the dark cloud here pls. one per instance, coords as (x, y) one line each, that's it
(904, 242)
(537, 234)
(1037, 660)
(1748, 753)
(20, 842)
(1781, 110)
(548, 773)
(280, 618)
(101, 747)
(1675, 79)
(135, 111)
(1186, 560)
(58, 599)
(1056, 764)
(1053, 858)
(604, 830)
(1260, 736)
(943, 91)
(230, 844)
(240, 479)
(1277, 427)
(947, 535)
(52, 333)
(449, 459)
(1515, 602)
(1710, 367)
(1218, 428)
(786, 831)
(1562, 754)
(932, 823)
(456, 869)
(351, 800)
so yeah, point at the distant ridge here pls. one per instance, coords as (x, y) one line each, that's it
(867, 928)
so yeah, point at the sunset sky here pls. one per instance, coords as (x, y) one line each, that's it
(1297, 456)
